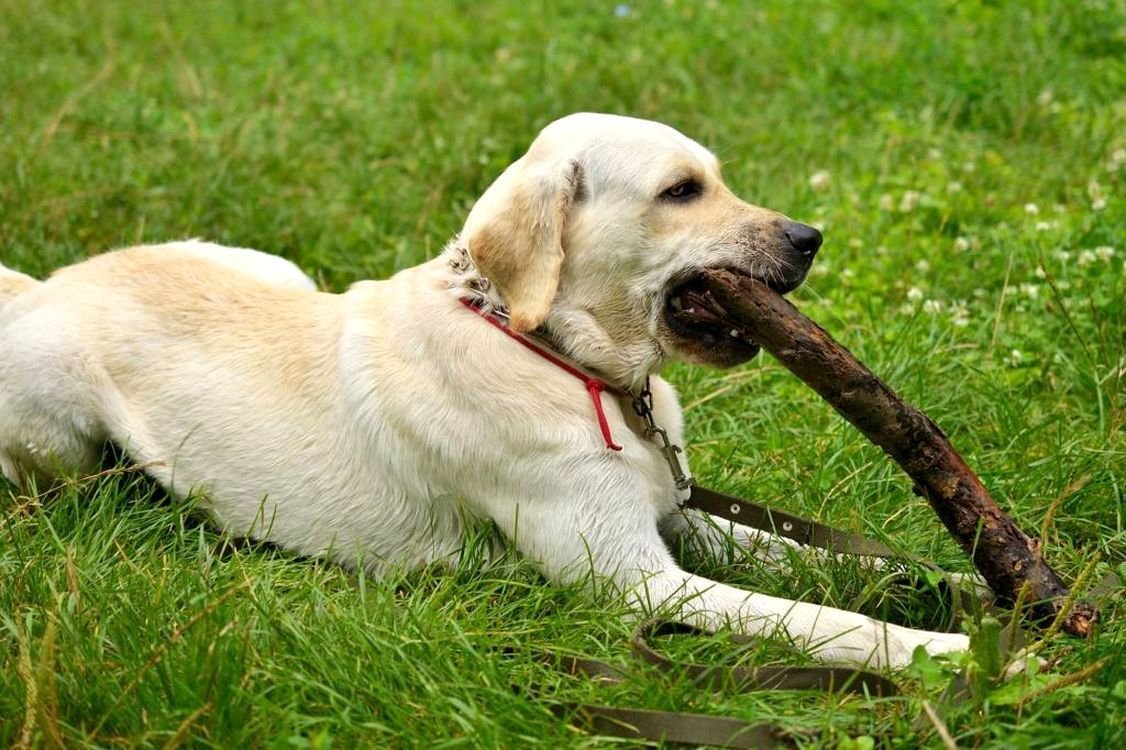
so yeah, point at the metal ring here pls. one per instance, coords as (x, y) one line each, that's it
(735, 508)
(787, 526)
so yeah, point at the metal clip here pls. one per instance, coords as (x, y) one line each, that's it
(643, 406)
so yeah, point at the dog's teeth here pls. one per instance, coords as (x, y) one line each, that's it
(733, 334)
(676, 303)
(691, 311)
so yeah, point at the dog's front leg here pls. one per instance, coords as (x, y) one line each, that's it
(827, 633)
(606, 528)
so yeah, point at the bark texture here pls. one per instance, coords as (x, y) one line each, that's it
(1005, 556)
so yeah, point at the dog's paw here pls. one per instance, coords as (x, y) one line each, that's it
(901, 650)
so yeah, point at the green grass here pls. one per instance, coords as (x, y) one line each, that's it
(353, 137)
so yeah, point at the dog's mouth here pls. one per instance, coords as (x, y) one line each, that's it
(702, 329)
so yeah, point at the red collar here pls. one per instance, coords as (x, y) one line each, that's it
(594, 386)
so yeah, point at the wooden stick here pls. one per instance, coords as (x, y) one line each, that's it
(1005, 556)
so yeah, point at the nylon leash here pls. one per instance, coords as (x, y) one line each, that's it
(703, 729)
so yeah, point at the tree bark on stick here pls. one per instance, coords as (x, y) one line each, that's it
(1005, 556)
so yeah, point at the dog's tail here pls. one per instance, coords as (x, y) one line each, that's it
(13, 284)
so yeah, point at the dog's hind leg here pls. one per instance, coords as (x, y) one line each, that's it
(41, 440)
(48, 426)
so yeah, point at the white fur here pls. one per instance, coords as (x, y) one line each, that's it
(369, 426)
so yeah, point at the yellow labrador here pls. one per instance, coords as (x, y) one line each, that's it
(370, 426)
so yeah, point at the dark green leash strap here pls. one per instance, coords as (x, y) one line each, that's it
(648, 724)
(694, 728)
(673, 727)
(723, 731)
(814, 534)
(745, 679)
(781, 523)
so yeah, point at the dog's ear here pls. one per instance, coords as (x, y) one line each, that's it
(515, 235)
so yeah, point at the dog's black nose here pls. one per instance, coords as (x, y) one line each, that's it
(805, 239)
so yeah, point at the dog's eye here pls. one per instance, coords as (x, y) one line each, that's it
(685, 190)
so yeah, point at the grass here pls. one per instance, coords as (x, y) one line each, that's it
(965, 161)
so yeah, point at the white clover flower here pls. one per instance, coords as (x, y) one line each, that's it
(820, 180)
(1087, 257)
(1014, 358)
(961, 244)
(887, 203)
(935, 154)
(1043, 226)
(1095, 192)
(960, 312)
(1044, 98)
(1104, 253)
(856, 243)
(909, 201)
(954, 187)
(881, 250)
(1031, 209)
(1116, 160)
(923, 266)
(1040, 272)
(1063, 256)
(915, 294)
(932, 306)
(1032, 291)
(969, 166)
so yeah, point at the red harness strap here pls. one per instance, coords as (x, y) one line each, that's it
(594, 386)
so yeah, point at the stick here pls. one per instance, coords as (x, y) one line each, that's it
(1005, 556)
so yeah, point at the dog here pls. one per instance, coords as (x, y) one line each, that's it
(495, 382)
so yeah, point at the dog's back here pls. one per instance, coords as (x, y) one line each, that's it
(13, 284)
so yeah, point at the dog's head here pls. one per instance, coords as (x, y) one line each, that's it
(599, 233)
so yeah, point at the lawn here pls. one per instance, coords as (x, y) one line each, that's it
(965, 161)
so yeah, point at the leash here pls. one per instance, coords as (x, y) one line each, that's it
(695, 728)
(690, 728)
